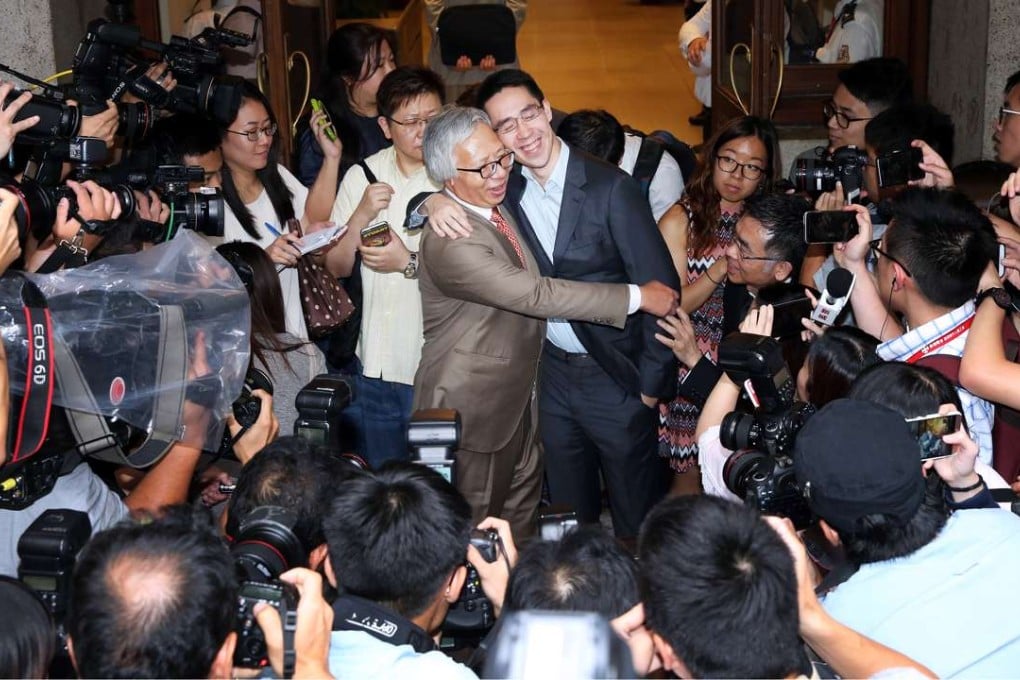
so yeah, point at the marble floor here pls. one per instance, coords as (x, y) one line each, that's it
(617, 55)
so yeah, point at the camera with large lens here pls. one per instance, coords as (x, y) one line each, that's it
(264, 547)
(473, 613)
(40, 190)
(845, 165)
(761, 468)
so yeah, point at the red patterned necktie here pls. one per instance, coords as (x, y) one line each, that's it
(504, 228)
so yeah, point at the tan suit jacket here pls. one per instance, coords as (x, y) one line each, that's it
(484, 323)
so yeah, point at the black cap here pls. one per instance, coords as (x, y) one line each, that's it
(855, 458)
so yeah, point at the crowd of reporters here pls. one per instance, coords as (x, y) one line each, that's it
(824, 542)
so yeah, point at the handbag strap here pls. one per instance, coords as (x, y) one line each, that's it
(369, 175)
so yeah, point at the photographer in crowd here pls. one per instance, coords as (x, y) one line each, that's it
(158, 599)
(915, 562)
(398, 540)
(725, 597)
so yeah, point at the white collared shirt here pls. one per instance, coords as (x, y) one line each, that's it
(542, 206)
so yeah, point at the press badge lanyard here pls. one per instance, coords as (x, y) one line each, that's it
(939, 342)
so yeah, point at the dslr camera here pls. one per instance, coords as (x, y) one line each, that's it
(473, 613)
(264, 547)
(432, 436)
(761, 468)
(845, 165)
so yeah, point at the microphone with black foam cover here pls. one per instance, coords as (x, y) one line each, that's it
(835, 297)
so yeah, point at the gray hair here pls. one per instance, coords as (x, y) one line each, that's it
(452, 126)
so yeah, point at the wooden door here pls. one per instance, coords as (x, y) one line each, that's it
(295, 35)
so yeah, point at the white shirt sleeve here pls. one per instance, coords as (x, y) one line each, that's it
(698, 25)
(712, 457)
(666, 187)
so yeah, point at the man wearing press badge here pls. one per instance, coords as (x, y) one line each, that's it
(855, 33)
(485, 303)
(928, 265)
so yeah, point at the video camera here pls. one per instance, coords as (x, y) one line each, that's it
(105, 68)
(761, 468)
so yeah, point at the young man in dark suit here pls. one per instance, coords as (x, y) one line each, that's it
(585, 220)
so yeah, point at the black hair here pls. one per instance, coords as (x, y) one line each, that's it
(295, 475)
(701, 194)
(353, 54)
(943, 240)
(596, 132)
(396, 535)
(782, 216)
(880, 83)
(405, 83)
(184, 134)
(152, 599)
(279, 195)
(265, 296)
(897, 126)
(27, 634)
(719, 586)
(587, 570)
(500, 80)
(910, 390)
(834, 361)
(1011, 82)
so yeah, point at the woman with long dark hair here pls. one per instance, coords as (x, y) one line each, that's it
(262, 195)
(289, 361)
(741, 159)
(358, 57)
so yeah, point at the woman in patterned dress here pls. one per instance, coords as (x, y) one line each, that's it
(742, 158)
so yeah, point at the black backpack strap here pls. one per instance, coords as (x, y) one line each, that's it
(647, 162)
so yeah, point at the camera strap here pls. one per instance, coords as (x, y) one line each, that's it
(91, 432)
(351, 613)
(34, 420)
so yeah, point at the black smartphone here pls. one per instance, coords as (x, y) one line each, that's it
(929, 431)
(899, 167)
(786, 321)
(829, 226)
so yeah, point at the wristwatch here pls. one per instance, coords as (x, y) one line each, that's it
(1001, 296)
(411, 270)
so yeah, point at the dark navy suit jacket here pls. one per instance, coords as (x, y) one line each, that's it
(606, 233)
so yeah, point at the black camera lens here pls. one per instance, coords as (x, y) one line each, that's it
(265, 545)
(134, 121)
(200, 211)
(56, 119)
(739, 431)
(814, 175)
(744, 467)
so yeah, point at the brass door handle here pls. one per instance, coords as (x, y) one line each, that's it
(733, 80)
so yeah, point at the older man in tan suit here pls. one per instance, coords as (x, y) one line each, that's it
(485, 305)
